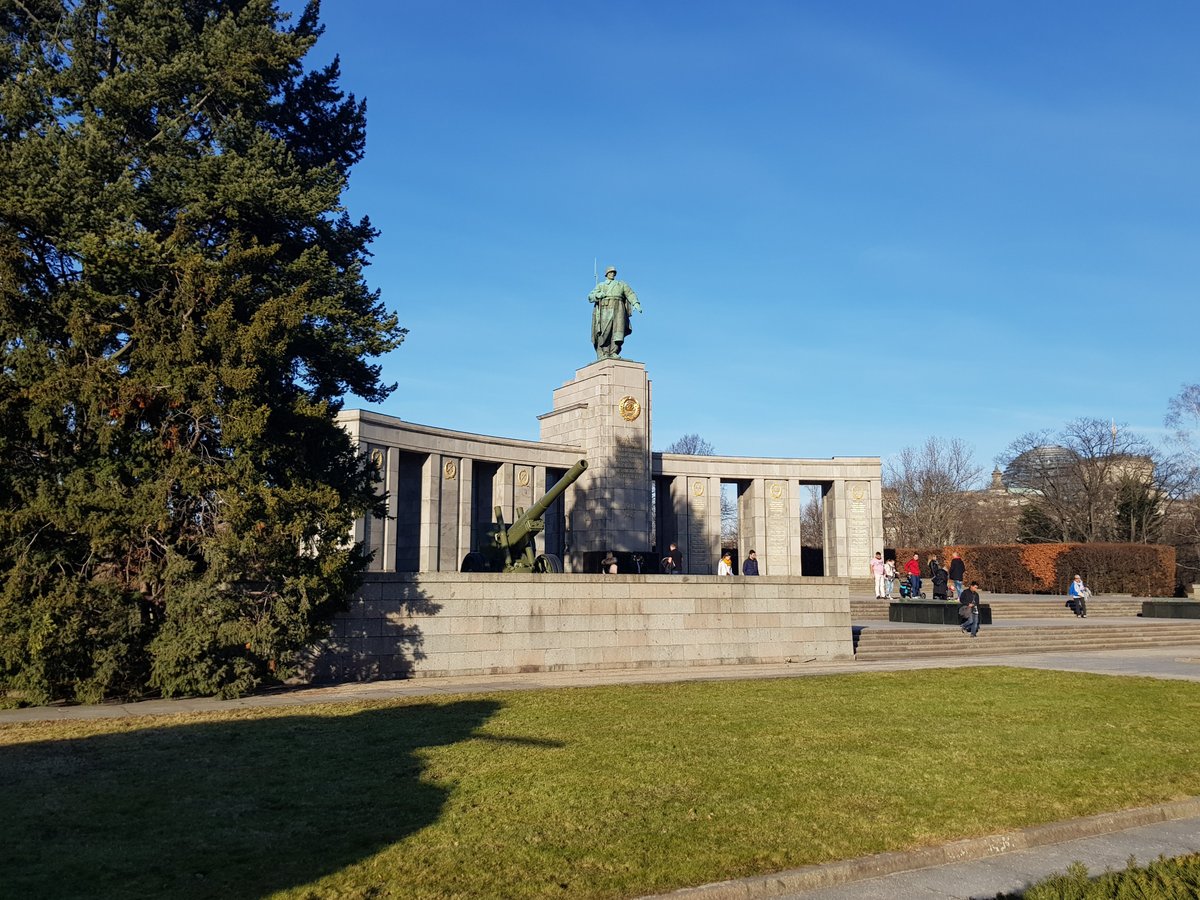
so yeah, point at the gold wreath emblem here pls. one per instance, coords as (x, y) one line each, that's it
(450, 470)
(377, 458)
(776, 490)
(698, 488)
(630, 409)
(857, 493)
(522, 477)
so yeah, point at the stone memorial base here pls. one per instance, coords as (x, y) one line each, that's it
(933, 612)
(1171, 609)
(448, 624)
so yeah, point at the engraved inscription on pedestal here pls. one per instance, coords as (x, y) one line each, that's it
(858, 523)
(697, 523)
(778, 530)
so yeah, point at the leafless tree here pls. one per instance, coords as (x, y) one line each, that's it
(692, 445)
(1092, 481)
(1183, 521)
(927, 492)
(812, 521)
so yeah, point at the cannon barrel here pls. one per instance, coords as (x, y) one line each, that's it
(523, 527)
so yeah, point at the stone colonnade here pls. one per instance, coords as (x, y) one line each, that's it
(442, 486)
(769, 501)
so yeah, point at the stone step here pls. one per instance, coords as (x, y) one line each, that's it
(1098, 607)
(898, 643)
(1055, 632)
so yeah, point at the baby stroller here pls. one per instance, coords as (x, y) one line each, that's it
(906, 591)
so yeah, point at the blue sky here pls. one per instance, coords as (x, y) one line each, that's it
(852, 225)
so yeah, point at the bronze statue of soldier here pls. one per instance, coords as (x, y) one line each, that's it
(612, 302)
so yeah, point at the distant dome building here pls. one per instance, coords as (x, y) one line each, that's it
(1037, 466)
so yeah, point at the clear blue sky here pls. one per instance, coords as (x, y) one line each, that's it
(851, 224)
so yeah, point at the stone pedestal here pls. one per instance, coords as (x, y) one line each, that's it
(605, 411)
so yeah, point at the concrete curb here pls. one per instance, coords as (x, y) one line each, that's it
(834, 874)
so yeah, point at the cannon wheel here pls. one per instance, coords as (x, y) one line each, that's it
(474, 562)
(548, 562)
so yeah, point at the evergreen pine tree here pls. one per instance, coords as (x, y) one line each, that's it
(183, 310)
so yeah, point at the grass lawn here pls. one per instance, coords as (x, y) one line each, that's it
(583, 792)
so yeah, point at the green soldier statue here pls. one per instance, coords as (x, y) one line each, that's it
(612, 301)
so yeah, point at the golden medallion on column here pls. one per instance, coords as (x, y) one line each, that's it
(523, 477)
(698, 488)
(450, 470)
(630, 408)
(776, 490)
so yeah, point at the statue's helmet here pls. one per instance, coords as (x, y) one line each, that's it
(612, 269)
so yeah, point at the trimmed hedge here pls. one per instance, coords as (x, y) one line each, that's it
(1144, 570)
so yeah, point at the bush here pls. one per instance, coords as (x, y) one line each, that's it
(1162, 878)
(1144, 570)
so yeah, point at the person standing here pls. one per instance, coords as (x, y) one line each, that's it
(957, 570)
(889, 578)
(969, 610)
(612, 302)
(725, 566)
(608, 565)
(877, 568)
(913, 569)
(1078, 593)
(750, 566)
(672, 563)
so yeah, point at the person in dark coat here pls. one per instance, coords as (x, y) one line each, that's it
(969, 610)
(940, 580)
(750, 566)
(957, 570)
(672, 563)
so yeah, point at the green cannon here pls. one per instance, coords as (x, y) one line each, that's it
(510, 548)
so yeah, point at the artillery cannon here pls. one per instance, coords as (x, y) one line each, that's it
(510, 548)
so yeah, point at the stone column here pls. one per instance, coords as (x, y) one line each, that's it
(703, 547)
(522, 488)
(431, 503)
(448, 559)
(502, 492)
(466, 482)
(680, 511)
(605, 411)
(861, 540)
(849, 535)
(391, 480)
(778, 555)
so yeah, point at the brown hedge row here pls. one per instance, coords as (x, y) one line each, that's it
(1144, 570)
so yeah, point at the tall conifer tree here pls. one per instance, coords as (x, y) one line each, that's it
(183, 309)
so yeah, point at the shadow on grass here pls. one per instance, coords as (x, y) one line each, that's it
(230, 809)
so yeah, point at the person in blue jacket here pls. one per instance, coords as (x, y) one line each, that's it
(1077, 595)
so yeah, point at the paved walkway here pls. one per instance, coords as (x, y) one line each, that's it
(973, 868)
(1181, 663)
(982, 867)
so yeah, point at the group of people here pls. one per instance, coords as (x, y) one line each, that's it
(672, 563)
(749, 567)
(884, 572)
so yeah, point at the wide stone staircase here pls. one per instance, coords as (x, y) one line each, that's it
(1019, 606)
(886, 641)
